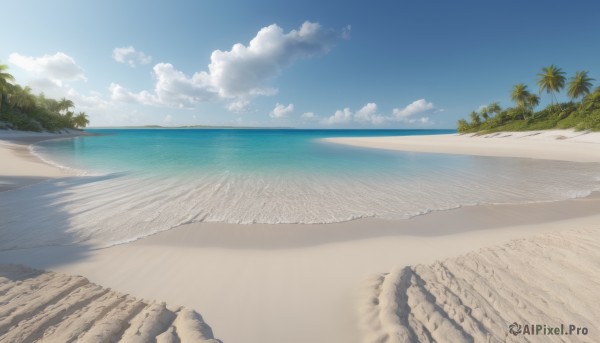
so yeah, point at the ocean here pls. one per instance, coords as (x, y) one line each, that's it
(131, 183)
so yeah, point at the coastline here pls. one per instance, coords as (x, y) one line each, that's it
(274, 283)
(559, 145)
(22, 168)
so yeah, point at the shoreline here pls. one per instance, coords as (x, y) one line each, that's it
(559, 145)
(295, 282)
(25, 168)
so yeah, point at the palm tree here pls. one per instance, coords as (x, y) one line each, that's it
(65, 104)
(533, 100)
(579, 85)
(52, 105)
(22, 98)
(494, 108)
(484, 113)
(81, 120)
(520, 95)
(551, 80)
(475, 119)
(5, 83)
(462, 125)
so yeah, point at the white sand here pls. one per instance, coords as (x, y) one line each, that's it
(302, 283)
(561, 145)
(19, 168)
(293, 288)
(550, 279)
(53, 307)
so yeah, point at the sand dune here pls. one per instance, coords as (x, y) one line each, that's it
(548, 279)
(53, 307)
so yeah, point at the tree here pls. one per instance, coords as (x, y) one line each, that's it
(64, 105)
(552, 80)
(520, 95)
(494, 108)
(463, 125)
(579, 85)
(532, 101)
(52, 105)
(475, 119)
(5, 84)
(81, 120)
(484, 113)
(22, 98)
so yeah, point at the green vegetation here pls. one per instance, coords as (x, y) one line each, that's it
(579, 114)
(21, 110)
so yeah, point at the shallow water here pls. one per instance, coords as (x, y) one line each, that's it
(138, 182)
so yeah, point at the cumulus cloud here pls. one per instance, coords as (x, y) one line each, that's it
(58, 68)
(309, 116)
(120, 94)
(339, 117)
(239, 106)
(281, 111)
(172, 88)
(416, 107)
(368, 113)
(241, 73)
(130, 56)
(91, 101)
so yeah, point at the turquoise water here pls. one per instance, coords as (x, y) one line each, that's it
(133, 183)
(180, 151)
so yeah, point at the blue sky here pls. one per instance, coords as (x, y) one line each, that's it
(339, 64)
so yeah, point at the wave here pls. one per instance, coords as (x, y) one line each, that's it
(121, 207)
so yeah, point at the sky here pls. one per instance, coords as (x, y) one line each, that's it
(306, 64)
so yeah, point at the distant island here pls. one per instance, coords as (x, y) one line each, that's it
(194, 127)
(579, 115)
(21, 110)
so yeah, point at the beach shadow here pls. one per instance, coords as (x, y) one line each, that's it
(36, 225)
(16, 272)
(8, 183)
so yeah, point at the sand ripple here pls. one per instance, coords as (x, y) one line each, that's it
(41, 306)
(550, 279)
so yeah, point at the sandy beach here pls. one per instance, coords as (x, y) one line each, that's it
(314, 283)
(560, 145)
(53, 307)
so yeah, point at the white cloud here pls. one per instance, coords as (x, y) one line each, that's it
(410, 114)
(239, 106)
(309, 116)
(339, 117)
(416, 107)
(368, 113)
(58, 68)
(281, 111)
(93, 101)
(120, 94)
(241, 73)
(130, 56)
(168, 119)
(244, 69)
(173, 88)
(176, 89)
